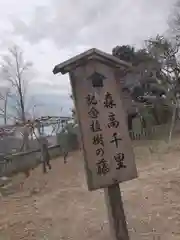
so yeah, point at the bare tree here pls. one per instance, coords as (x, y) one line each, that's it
(167, 54)
(4, 97)
(174, 23)
(17, 71)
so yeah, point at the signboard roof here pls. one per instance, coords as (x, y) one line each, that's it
(89, 55)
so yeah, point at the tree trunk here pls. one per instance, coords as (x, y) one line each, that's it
(26, 140)
(23, 118)
(172, 122)
(5, 110)
(129, 120)
(155, 115)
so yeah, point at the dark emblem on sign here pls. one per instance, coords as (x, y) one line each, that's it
(97, 79)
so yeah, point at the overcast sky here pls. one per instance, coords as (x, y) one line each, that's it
(51, 31)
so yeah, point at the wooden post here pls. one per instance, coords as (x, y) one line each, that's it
(107, 148)
(43, 157)
(117, 221)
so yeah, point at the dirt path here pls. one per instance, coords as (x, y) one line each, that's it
(58, 206)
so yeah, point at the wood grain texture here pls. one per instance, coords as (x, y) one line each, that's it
(81, 88)
(117, 221)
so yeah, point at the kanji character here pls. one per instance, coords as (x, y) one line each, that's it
(119, 158)
(100, 152)
(98, 139)
(102, 167)
(109, 102)
(115, 139)
(95, 126)
(112, 121)
(93, 112)
(91, 100)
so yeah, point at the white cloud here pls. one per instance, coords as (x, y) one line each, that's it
(72, 23)
(51, 31)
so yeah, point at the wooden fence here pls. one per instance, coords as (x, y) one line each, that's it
(21, 162)
(154, 132)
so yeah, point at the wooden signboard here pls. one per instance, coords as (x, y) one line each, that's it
(107, 147)
(108, 154)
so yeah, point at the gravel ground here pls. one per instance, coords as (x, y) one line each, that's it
(58, 205)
